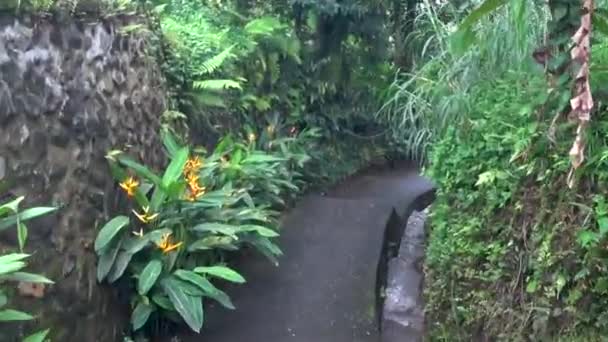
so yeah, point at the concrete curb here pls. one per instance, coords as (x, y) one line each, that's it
(403, 306)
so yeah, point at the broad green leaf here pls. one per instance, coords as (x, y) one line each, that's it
(141, 170)
(248, 200)
(133, 245)
(251, 215)
(12, 206)
(141, 198)
(145, 188)
(170, 260)
(190, 309)
(9, 258)
(222, 298)
(39, 336)
(27, 277)
(117, 172)
(262, 158)
(106, 261)
(195, 279)
(158, 197)
(482, 10)
(32, 213)
(266, 247)
(226, 229)
(176, 167)
(110, 230)
(263, 231)
(237, 157)
(12, 258)
(461, 40)
(221, 272)
(214, 199)
(190, 288)
(170, 143)
(208, 289)
(118, 269)
(175, 190)
(212, 242)
(21, 235)
(10, 267)
(14, 315)
(163, 302)
(25, 215)
(140, 315)
(148, 276)
(464, 37)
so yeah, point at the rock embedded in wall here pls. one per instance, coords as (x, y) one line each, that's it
(70, 90)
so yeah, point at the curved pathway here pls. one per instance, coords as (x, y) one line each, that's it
(340, 259)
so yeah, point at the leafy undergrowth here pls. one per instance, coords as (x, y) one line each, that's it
(514, 254)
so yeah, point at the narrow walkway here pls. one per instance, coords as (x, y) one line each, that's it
(325, 289)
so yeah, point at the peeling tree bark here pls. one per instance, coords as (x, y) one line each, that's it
(582, 101)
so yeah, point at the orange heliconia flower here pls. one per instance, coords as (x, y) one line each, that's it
(129, 185)
(193, 165)
(165, 243)
(195, 190)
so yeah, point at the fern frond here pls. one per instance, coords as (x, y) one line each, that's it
(212, 64)
(216, 85)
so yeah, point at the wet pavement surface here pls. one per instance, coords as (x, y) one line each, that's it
(329, 284)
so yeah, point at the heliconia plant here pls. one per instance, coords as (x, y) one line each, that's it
(12, 264)
(172, 243)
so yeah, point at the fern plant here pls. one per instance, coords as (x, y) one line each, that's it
(210, 92)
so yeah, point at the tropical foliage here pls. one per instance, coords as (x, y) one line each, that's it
(12, 264)
(288, 94)
(516, 250)
(281, 100)
(183, 224)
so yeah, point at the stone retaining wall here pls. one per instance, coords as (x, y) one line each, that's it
(70, 90)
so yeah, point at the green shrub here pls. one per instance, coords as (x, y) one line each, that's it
(513, 253)
(187, 220)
